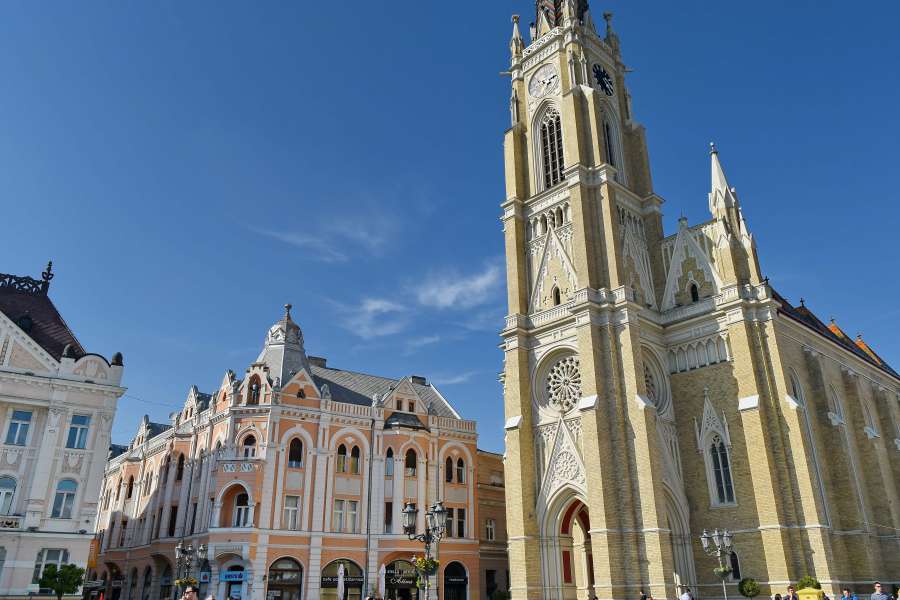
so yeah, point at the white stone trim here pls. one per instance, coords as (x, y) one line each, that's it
(748, 403)
(513, 423)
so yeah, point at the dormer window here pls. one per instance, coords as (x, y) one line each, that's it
(412, 406)
(253, 391)
(695, 293)
(399, 404)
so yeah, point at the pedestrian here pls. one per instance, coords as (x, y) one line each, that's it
(791, 594)
(643, 595)
(846, 594)
(777, 597)
(686, 594)
(878, 594)
(190, 593)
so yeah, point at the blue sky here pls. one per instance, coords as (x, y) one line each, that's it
(191, 167)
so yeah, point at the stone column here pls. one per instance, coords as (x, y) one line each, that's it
(37, 504)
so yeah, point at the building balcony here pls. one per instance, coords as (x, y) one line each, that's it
(11, 522)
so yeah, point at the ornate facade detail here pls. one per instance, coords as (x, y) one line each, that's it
(698, 353)
(564, 384)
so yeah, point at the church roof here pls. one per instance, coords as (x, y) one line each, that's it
(358, 388)
(832, 332)
(25, 301)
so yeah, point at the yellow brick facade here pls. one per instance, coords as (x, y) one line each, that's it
(656, 386)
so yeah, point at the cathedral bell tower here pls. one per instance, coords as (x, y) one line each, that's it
(587, 507)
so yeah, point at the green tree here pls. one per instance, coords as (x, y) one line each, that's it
(808, 582)
(748, 587)
(64, 580)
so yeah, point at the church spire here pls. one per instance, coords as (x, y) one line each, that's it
(722, 197)
(515, 43)
(552, 13)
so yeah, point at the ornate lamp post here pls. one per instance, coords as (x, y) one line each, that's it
(720, 547)
(435, 522)
(186, 557)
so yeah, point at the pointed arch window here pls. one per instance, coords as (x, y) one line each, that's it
(389, 463)
(735, 565)
(608, 135)
(448, 470)
(695, 293)
(354, 460)
(552, 148)
(556, 296)
(460, 471)
(295, 454)
(721, 467)
(241, 510)
(410, 463)
(130, 489)
(341, 466)
(179, 468)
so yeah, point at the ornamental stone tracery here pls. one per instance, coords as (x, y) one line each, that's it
(564, 384)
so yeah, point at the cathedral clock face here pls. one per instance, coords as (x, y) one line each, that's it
(604, 81)
(544, 81)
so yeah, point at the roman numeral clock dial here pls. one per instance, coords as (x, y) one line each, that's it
(604, 81)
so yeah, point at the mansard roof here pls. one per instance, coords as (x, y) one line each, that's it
(24, 301)
(358, 388)
(834, 333)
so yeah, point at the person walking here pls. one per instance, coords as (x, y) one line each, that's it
(686, 594)
(643, 595)
(791, 594)
(878, 594)
(777, 597)
(846, 594)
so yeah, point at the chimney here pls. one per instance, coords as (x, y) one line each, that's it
(419, 380)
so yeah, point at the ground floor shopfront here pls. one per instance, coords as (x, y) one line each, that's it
(290, 567)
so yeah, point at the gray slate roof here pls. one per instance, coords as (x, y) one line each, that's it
(358, 388)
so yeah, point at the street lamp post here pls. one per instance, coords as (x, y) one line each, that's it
(718, 544)
(434, 530)
(186, 557)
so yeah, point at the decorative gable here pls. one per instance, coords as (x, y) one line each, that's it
(710, 424)
(689, 264)
(565, 465)
(555, 270)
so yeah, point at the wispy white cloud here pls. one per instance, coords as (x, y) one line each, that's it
(334, 240)
(456, 379)
(420, 342)
(375, 317)
(451, 289)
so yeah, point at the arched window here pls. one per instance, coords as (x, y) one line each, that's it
(295, 454)
(460, 471)
(7, 491)
(65, 498)
(695, 293)
(556, 296)
(249, 446)
(253, 391)
(610, 141)
(179, 468)
(389, 463)
(166, 466)
(341, 465)
(354, 460)
(148, 580)
(448, 470)
(735, 565)
(721, 471)
(410, 463)
(130, 489)
(148, 482)
(241, 510)
(796, 389)
(552, 148)
(834, 403)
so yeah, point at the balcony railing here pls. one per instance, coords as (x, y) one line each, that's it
(11, 522)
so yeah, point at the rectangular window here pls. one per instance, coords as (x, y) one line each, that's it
(338, 523)
(78, 432)
(352, 520)
(448, 524)
(193, 517)
(63, 502)
(389, 517)
(389, 466)
(399, 404)
(173, 517)
(158, 523)
(490, 529)
(48, 556)
(412, 406)
(461, 522)
(17, 434)
(292, 512)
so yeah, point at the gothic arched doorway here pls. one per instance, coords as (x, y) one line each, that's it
(566, 551)
(683, 573)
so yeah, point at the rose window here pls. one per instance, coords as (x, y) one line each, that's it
(564, 384)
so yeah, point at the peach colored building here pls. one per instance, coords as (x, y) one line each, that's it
(285, 474)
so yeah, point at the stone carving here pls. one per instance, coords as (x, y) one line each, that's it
(564, 384)
(72, 462)
(326, 392)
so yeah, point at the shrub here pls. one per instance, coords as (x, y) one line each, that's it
(808, 582)
(748, 587)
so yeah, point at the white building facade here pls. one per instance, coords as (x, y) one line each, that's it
(57, 404)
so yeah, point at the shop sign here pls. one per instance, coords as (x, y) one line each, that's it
(231, 575)
(456, 579)
(330, 581)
